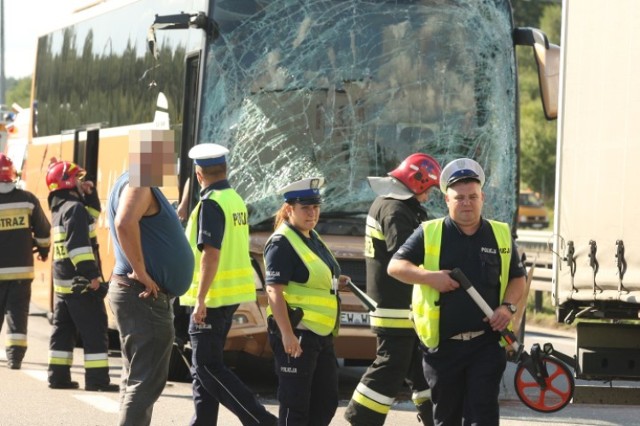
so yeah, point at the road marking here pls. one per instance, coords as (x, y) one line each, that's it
(102, 403)
(41, 375)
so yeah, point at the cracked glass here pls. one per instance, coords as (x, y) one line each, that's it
(347, 89)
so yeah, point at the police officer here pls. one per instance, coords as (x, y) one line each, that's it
(23, 225)
(218, 232)
(393, 216)
(79, 296)
(462, 356)
(302, 278)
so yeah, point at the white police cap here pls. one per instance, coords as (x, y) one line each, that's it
(460, 169)
(304, 191)
(208, 154)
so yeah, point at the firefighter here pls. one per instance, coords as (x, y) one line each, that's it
(79, 305)
(302, 287)
(393, 216)
(23, 225)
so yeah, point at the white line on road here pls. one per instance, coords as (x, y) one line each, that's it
(102, 403)
(37, 374)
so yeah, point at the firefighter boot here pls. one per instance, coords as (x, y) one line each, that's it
(425, 413)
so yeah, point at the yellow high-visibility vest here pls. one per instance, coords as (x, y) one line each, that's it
(233, 282)
(316, 297)
(424, 303)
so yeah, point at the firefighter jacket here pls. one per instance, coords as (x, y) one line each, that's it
(75, 247)
(23, 225)
(233, 282)
(317, 297)
(425, 302)
(389, 223)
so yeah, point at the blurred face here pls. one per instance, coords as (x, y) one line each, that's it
(465, 201)
(304, 217)
(151, 158)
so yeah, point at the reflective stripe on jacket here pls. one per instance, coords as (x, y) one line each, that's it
(233, 282)
(425, 307)
(316, 297)
(23, 225)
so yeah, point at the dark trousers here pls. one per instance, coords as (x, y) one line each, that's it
(15, 296)
(146, 338)
(464, 377)
(213, 382)
(84, 314)
(308, 385)
(398, 359)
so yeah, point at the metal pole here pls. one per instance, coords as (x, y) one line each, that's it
(2, 80)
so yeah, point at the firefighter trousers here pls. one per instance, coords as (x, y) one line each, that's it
(82, 314)
(398, 359)
(15, 296)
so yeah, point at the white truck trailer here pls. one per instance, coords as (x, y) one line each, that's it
(596, 273)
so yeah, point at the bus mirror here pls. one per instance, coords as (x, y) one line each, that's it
(548, 60)
(151, 40)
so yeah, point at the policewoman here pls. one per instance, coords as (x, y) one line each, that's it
(218, 232)
(463, 359)
(302, 278)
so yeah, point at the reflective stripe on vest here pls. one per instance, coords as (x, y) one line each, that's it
(425, 310)
(233, 282)
(319, 305)
(391, 318)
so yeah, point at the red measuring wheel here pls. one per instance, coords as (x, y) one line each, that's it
(557, 390)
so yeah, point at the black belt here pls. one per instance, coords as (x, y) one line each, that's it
(124, 280)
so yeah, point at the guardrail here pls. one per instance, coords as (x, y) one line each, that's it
(536, 246)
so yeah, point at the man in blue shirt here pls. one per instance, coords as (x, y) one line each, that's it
(154, 263)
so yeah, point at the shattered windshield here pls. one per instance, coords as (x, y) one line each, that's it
(348, 89)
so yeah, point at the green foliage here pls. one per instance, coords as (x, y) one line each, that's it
(18, 91)
(537, 135)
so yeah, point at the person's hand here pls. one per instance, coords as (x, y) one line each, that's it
(95, 284)
(500, 318)
(43, 253)
(183, 212)
(87, 187)
(291, 345)
(342, 282)
(199, 312)
(443, 282)
(151, 288)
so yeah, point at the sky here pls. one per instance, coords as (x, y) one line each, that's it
(24, 21)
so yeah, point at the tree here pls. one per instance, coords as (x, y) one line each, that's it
(19, 91)
(538, 136)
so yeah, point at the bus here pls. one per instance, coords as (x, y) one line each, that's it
(341, 89)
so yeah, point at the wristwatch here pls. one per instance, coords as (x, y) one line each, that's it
(511, 307)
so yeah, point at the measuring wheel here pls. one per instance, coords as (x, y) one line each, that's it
(557, 390)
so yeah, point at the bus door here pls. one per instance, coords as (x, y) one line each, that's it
(85, 151)
(191, 107)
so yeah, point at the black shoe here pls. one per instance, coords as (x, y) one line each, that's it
(14, 365)
(111, 387)
(64, 385)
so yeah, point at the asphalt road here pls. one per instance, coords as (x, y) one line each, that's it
(26, 400)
